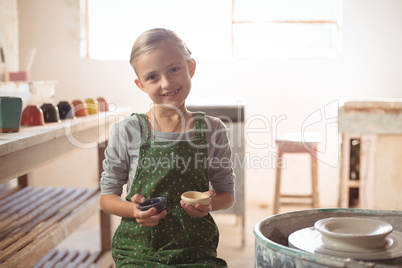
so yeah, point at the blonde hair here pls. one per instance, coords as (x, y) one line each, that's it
(154, 38)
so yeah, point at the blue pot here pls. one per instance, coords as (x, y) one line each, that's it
(66, 111)
(157, 202)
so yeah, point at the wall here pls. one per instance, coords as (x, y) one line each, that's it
(306, 91)
(9, 36)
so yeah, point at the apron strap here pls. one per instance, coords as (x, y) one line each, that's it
(200, 125)
(145, 131)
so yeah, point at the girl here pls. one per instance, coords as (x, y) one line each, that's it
(165, 152)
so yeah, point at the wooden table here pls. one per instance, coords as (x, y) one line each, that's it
(34, 220)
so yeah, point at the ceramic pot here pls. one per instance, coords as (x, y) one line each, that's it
(32, 115)
(92, 106)
(157, 202)
(80, 108)
(66, 111)
(10, 114)
(102, 104)
(194, 197)
(50, 113)
(355, 234)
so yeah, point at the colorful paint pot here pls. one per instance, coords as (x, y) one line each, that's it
(10, 114)
(50, 113)
(92, 106)
(102, 104)
(80, 108)
(32, 115)
(66, 111)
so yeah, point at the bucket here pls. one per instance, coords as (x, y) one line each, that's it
(271, 239)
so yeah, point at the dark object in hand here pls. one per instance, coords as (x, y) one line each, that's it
(157, 202)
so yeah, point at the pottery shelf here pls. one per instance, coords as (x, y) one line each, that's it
(370, 171)
(75, 258)
(34, 220)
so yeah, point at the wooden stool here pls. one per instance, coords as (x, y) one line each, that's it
(297, 143)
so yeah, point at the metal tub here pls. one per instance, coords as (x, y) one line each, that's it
(271, 239)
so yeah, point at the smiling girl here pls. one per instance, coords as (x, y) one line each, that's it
(163, 153)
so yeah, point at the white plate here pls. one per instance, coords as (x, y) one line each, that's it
(310, 240)
(356, 234)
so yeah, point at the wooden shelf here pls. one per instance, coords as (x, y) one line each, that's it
(37, 219)
(31, 147)
(34, 220)
(75, 258)
(353, 184)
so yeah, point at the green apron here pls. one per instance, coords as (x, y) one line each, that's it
(168, 169)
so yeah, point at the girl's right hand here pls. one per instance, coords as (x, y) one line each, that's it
(146, 218)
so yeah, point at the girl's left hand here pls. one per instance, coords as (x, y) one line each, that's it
(198, 211)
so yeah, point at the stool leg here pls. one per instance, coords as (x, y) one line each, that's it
(314, 179)
(278, 165)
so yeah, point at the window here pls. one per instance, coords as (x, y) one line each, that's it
(286, 28)
(215, 28)
(113, 26)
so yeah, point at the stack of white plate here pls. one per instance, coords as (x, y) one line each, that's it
(356, 238)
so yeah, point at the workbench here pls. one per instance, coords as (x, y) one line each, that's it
(34, 220)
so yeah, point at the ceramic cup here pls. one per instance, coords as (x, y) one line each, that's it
(102, 104)
(92, 106)
(194, 197)
(32, 115)
(10, 114)
(50, 113)
(157, 202)
(80, 108)
(66, 111)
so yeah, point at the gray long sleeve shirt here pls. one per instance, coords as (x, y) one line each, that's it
(122, 155)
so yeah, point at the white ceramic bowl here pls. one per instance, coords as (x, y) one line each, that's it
(353, 234)
(194, 197)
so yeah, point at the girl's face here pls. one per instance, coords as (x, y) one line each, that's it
(165, 75)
